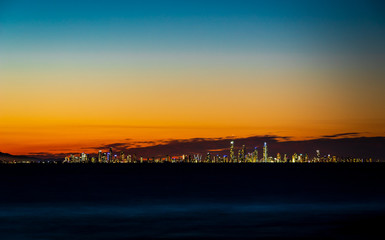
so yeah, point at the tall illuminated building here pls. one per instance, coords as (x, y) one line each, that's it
(122, 156)
(242, 154)
(197, 158)
(111, 156)
(255, 155)
(208, 157)
(232, 155)
(100, 156)
(278, 157)
(83, 157)
(265, 152)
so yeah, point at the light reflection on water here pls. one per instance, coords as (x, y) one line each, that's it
(175, 220)
(74, 209)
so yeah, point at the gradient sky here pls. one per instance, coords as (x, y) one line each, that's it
(75, 74)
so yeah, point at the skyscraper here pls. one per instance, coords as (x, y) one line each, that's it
(100, 156)
(318, 155)
(83, 157)
(265, 152)
(208, 157)
(232, 155)
(242, 155)
(111, 156)
(122, 156)
(255, 155)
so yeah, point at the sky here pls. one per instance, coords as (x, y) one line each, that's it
(80, 74)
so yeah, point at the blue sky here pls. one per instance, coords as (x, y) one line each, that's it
(192, 25)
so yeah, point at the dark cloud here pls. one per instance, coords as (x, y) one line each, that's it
(201, 145)
(147, 142)
(341, 135)
(38, 153)
(362, 147)
(119, 146)
(283, 138)
(337, 144)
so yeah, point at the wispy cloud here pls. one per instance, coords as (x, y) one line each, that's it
(342, 135)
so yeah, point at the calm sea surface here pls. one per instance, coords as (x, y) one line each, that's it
(248, 201)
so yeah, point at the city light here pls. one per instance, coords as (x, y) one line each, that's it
(241, 157)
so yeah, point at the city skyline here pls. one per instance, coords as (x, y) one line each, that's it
(240, 154)
(76, 75)
(225, 150)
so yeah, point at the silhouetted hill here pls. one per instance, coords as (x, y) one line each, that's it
(6, 157)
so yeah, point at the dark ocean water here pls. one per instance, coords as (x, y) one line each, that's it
(273, 201)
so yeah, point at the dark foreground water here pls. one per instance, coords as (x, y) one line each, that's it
(233, 201)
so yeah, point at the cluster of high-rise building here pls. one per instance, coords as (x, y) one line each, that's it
(240, 157)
